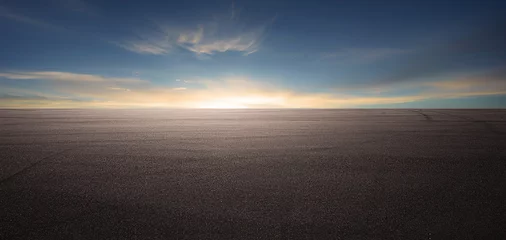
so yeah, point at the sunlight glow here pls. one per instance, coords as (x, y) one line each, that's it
(220, 104)
(242, 102)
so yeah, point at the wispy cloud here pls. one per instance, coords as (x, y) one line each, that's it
(481, 83)
(22, 97)
(363, 55)
(250, 52)
(120, 89)
(14, 16)
(146, 47)
(66, 76)
(216, 35)
(201, 43)
(491, 80)
(239, 44)
(191, 37)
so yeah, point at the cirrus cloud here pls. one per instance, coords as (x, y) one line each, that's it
(66, 76)
(205, 38)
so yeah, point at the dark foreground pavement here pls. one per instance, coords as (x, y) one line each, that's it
(252, 174)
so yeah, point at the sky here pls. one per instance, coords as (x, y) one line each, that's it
(252, 54)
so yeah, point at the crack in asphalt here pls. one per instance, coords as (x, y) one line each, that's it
(7, 179)
(427, 117)
(486, 124)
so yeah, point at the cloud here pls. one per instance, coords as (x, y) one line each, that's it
(486, 81)
(206, 38)
(66, 76)
(481, 83)
(146, 47)
(363, 55)
(9, 14)
(197, 42)
(120, 89)
(22, 97)
(239, 44)
(250, 52)
(231, 40)
(191, 37)
(149, 43)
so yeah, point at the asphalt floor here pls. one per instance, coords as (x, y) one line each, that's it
(253, 174)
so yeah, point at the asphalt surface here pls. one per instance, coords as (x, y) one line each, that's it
(252, 174)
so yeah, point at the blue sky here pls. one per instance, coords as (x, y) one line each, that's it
(252, 54)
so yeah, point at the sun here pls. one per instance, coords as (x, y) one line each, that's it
(221, 105)
(242, 102)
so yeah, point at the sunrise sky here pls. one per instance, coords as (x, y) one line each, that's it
(252, 54)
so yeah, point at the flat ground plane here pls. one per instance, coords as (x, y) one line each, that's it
(252, 174)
